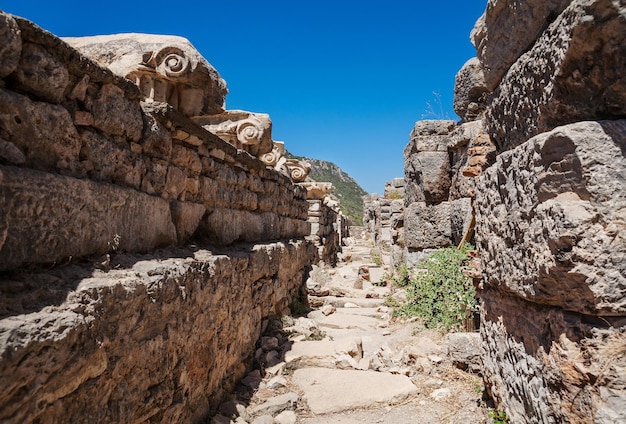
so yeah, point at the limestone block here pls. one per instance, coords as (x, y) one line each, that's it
(165, 68)
(48, 218)
(156, 338)
(156, 140)
(470, 91)
(543, 364)
(11, 48)
(225, 226)
(186, 158)
(551, 219)
(465, 351)
(108, 162)
(44, 133)
(186, 217)
(249, 131)
(429, 176)
(509, 28)
(317, 191)
(429, 128)
(426, 163)
(460, 218)
(427, 226)
(41, 73)
(115, 114)
(573, 72)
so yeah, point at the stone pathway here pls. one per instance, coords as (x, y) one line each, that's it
(347, 361)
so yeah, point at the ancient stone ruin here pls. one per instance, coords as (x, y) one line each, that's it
(537, 165)
(149, 237)
(146, 233)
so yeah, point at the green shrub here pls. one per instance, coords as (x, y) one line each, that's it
(440, 294)
(375, 257)
(401, 277)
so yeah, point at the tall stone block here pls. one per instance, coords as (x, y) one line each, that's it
(427, 226)
(551, 229)
(48, 218)
(574, 71)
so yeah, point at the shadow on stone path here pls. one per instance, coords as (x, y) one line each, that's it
(348, 361)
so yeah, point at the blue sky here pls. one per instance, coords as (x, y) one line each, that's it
(343, 81)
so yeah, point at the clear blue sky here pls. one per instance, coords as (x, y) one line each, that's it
(343, 81)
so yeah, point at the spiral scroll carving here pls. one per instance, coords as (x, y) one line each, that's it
(249, 132)
(298, 170)
(170, 62)
(271, 158)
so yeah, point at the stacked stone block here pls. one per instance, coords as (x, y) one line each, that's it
(95, 174)
(550, 212)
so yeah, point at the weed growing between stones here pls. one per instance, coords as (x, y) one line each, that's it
(440, 294)
(375, 257)
(498, 417)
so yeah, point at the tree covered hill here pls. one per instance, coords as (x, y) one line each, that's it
(345, 188)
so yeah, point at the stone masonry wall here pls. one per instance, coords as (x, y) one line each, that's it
(551, 209)
(93, 128)
(95, 170)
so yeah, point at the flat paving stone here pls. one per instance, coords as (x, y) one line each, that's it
(330, 390)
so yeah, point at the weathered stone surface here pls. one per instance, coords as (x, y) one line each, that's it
(109, 162)
(465, 351)
(249, 131)
(165, 68)
(145, 341)
(11, 48)
(327, 390)
(298, 169)
(186, 217)
(227, 226)
(115, 114)
(44, 133)
(470, 91)
(427, 226)
(507, 29)
(460, 218)
(573, 72)
(551, 219)
(41, 73)
(544, 364)
(426, 162)
(47, 218)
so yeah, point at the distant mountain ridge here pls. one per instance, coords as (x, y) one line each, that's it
(345, 188)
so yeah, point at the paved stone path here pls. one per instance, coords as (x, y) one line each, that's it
(347, 361)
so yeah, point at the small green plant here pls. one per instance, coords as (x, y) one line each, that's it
(441, 295)
(316, 335)
(114, 244)
(401, 277)
(375, 257)
(498, 417)
(395, 195)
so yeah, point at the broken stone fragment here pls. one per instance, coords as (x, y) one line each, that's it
(11, 47)
(298, 170)
(273, 158)
(470, 92)
(248, 131)
(165, 68)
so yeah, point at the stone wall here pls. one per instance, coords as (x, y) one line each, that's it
(383, 219)
(96, 172)
(156, 338)
(551, 210)
(438, 187)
